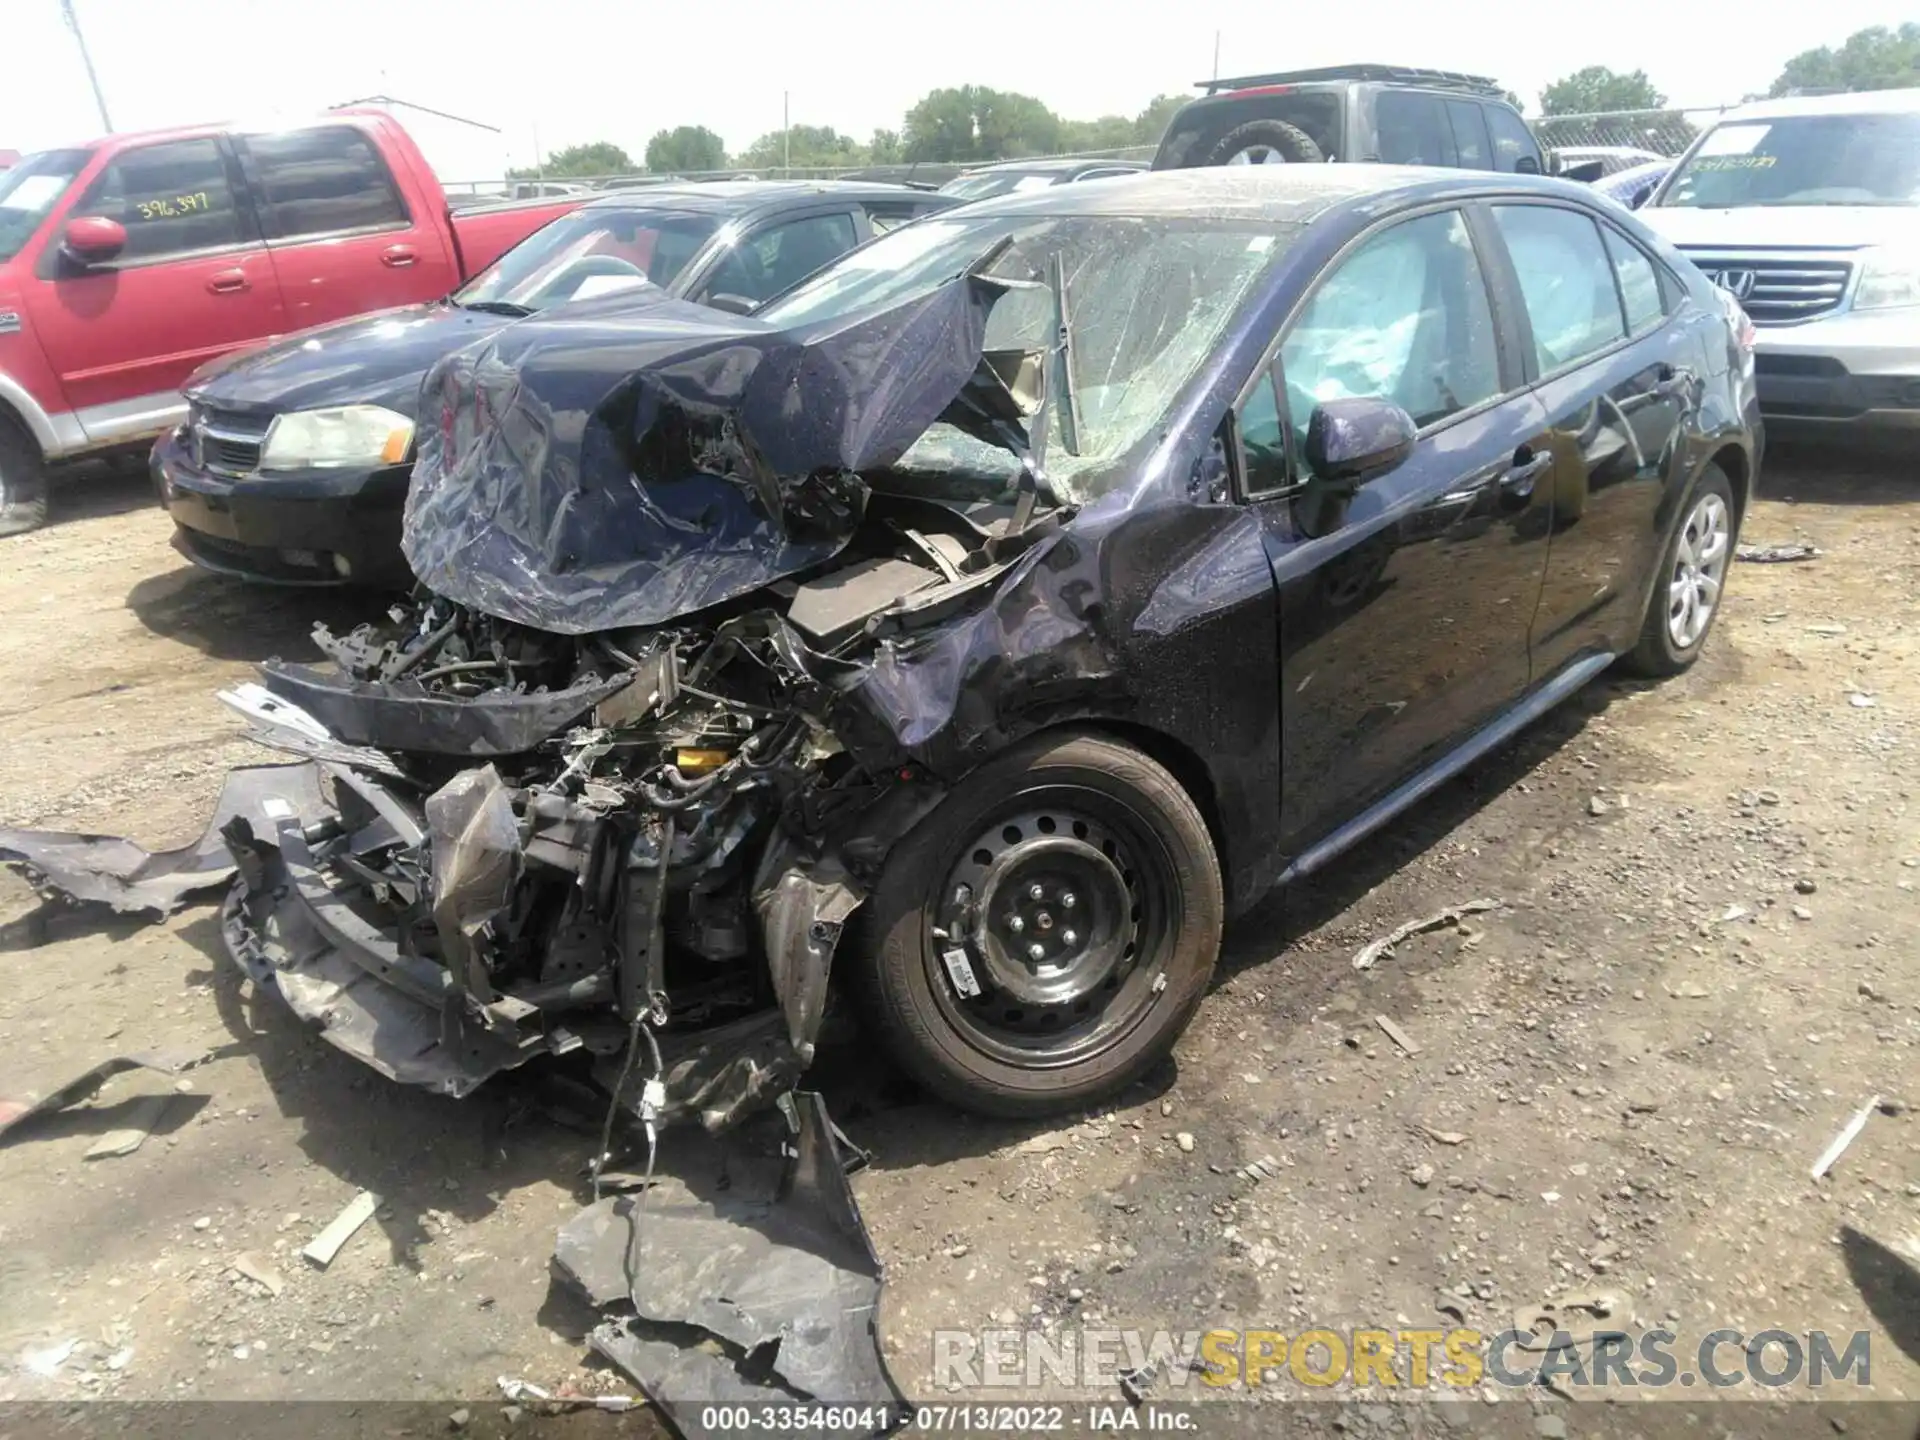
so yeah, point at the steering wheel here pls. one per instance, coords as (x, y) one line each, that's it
(560, 287)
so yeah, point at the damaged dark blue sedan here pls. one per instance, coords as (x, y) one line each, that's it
(973, 630)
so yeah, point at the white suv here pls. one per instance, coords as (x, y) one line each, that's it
(1808, 212)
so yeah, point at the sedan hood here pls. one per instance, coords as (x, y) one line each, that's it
(376, 359)
(1760, 227)
(642, 459)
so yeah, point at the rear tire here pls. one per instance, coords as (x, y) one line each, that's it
(1132, 950)
(1697, 560)
(1265, 142)
(23, 482)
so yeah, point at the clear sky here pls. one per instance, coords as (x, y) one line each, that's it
(576, 70)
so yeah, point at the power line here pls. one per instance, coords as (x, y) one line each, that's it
(73, 24)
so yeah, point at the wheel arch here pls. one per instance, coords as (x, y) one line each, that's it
(1737, 466)
(20, 412)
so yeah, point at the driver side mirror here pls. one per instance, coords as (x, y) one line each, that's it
(1353, 441)
(732, 304)
(91, 239)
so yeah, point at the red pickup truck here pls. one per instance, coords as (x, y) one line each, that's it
(128, 263)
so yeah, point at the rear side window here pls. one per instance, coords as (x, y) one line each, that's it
(322, 182)
(172, 198)
(1411, 129)
(885, 215)
(1514, 148)
(1469, 134)
(1566, 280)
(1639, 281)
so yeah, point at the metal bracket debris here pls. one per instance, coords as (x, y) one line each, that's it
(1450, 916)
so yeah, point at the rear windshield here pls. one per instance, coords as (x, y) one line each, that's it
(1197, 131)
(29, 190)
(591, 252)
(1802, 160)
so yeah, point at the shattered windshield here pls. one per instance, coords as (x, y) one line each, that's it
(1803, 160)
(29, 190)
(1148, 298)
(587, 253)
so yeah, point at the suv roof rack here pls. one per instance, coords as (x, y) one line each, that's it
(1396, 74)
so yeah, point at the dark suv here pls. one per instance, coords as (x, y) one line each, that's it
(1352, 113)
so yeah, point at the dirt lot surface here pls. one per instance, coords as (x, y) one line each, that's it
(1704, 963)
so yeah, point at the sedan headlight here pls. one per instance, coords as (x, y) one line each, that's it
(351, 435)
(1888, 277)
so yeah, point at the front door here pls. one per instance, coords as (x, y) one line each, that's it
(1403, 611)
(192, 283)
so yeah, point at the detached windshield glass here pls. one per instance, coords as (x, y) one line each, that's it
(1803, 160)
(588, 253)
(29, 190)
(1148, 299)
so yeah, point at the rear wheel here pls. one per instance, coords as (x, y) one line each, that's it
(1265, 142)
(1044, 936)
(23, 482)
(1693, 574)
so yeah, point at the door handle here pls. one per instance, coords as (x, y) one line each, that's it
(398, 257)
(1516, 486)
(228, 282)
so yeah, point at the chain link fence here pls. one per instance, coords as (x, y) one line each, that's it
(1660, 132)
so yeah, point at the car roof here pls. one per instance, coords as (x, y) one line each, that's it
(1050, 165)
(740, 197)
(1858, 102)
(1293, 194)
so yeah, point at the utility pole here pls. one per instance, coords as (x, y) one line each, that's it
(786, 136)
(1216, 54)
(73, 24)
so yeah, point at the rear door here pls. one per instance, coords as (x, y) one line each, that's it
(342, 234)
(1404, 611)
(1618, 382)
(193, 282)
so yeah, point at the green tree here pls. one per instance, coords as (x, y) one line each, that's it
(1597, 89)
(810, 145)
(883, 147)
(1109, 132)
(974, 122)
(1872, 59)
(1151, 123)
(602, 157)
(686, 147)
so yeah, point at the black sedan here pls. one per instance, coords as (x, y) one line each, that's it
(978, 626)
(292, 465)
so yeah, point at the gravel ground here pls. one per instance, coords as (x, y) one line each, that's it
(1701, 967)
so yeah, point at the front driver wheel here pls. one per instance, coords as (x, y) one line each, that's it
(1043, 937)
(23, 482)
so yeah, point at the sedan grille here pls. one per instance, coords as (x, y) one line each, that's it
(225, 443)
(1774, 289)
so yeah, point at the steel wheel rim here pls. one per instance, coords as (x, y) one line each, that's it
(1699, 570)
(1066, 1013)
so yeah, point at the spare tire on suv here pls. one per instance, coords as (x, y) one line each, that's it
(1265, 142)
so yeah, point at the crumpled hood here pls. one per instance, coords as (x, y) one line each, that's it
(376, 359)
(644, 458)
(1760, 227)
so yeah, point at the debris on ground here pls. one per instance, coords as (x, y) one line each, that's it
(764, 1291)
(1848, 1133)
(1776, 554)
(1452, 915)
(46, 1361)
(14, 1114)
(144, 1113)
(1265, 1168)
(327, 1244)
(1399, 1037)
(259, 1270)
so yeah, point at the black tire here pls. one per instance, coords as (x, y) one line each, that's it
(23, 482)
(1171, 878)
(1289, 142)
(1658, 653)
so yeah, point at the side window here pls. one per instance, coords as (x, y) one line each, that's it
(1514, 148)
(1469, 134)
(885, 215)
(173, 199)
(781, 256)
(1411, 129)
(323, 181)
(1566, 280)
(1263, 446)
(1639, 281)
(1406, 318)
